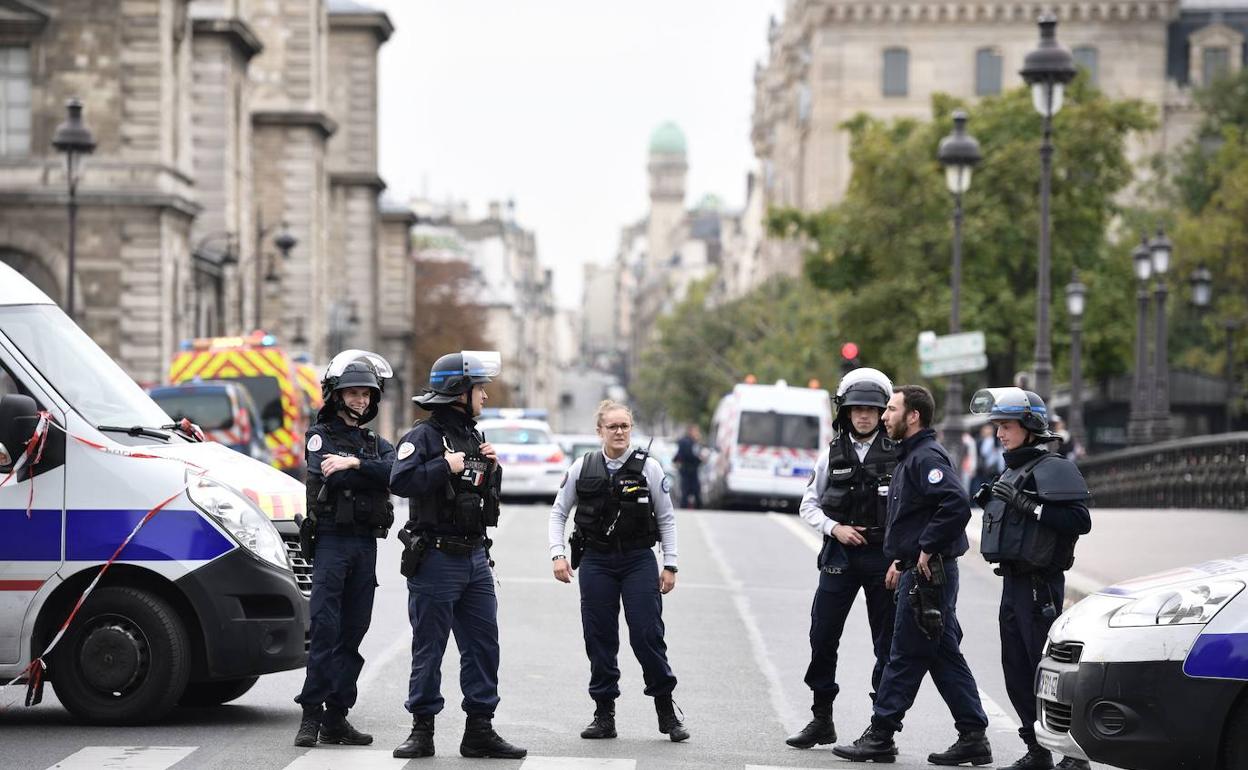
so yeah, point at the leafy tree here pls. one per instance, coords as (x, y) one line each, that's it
(883, 252)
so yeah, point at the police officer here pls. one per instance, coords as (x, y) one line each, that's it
(348, 510)
(1034, 511)
(928, 510)
(450, 476)
(847, 501)
(623, 507)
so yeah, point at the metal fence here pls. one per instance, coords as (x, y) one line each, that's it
(1202, 472)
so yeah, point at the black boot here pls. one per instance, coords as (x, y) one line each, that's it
(343, 734)
(970, 747)
(819, 730)
(874, 745)
(1070, 763)
(670, 724)
(309, 727)
(603, 725)
(1036, 758)
(480, 740)
(419, 742)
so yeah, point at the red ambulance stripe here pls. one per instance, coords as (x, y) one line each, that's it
(20, 585)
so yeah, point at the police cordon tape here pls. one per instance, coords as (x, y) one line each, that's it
(33, 673)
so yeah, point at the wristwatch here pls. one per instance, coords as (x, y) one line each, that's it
(671, 569)
(557, 558)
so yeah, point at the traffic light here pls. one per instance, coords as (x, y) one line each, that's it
(849, 358)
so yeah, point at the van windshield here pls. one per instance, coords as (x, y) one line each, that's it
(794, 431)
(93, 384)
(267, 393)
(209, 409)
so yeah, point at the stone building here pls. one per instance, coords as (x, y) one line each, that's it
(832, 59)
(220, 125)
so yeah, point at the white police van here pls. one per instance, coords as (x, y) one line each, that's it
(1152, 674)
(199, 603)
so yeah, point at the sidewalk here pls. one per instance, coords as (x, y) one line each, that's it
(1131, 542)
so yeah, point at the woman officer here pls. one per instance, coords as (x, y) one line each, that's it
(622, 508)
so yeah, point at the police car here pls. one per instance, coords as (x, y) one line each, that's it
(1152, 674)
(155, 553)
(533, 462)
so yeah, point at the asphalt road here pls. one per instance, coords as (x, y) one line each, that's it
(737, 633)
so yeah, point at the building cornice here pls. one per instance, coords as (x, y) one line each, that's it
(987, 11)
(102, 199)
(235, 30)
(357, 179)
(315, 119)
(378, 22)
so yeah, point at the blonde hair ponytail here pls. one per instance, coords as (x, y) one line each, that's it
(607, 405)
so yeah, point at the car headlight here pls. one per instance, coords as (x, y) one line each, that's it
(251, 528)
(1195, 603)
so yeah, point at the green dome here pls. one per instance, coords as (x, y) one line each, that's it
(667, 139)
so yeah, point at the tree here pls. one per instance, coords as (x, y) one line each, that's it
(883, 252)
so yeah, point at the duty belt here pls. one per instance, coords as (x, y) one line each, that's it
(617, 545)
(457, 546)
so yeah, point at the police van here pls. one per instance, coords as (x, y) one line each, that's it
(138, 567)
(1152, 674)
(767, 439)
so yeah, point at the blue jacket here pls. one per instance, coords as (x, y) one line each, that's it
(928, 509)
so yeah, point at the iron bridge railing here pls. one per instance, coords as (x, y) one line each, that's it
(1200, 472)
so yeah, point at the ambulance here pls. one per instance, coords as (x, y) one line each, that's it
(766, 441)
(140, 567)
(274, 380)
(1152, 674)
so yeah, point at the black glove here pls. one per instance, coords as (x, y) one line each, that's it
(1015, 498)
(983, 495)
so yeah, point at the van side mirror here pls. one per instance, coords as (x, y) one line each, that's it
(19, 416)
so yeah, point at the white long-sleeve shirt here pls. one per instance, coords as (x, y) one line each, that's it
(810, 509)
(660, 493)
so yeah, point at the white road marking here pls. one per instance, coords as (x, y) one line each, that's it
(784, 712)
(576, 763)
(998, 718)
(124, 758)
(345, 758)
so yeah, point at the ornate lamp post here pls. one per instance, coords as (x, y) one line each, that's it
(1047, 69)
(75, 139)
(284, 242)
(1138, 428)
(1202, 297)
(958, 153)
(1160, 250)
(1076, 295)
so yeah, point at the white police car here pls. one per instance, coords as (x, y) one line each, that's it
(533, 462)
(1152, 674)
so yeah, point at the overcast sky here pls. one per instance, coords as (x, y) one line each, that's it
(551, 103)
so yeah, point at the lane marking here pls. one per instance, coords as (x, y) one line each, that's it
(775, 691)
(998, 718)
(345, 758)
(575, 763)
(124, 758)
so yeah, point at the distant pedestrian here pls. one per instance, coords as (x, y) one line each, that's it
(970, 461)
(689, 460)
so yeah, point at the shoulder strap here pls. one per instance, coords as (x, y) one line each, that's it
(593, 466)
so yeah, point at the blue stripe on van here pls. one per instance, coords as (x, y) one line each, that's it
(1218, 656)
(171, 535)
(37, 538)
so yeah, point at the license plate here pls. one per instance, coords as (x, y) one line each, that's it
(1047, 687)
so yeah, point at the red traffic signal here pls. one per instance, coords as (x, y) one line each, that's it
(849, 351)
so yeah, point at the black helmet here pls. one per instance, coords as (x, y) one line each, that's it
(863, 386)
(1015, 404)
(454, 374)
(353, 369)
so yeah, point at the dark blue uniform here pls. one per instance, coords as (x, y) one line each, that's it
(927, 510)
(453, 589)
(344, 570)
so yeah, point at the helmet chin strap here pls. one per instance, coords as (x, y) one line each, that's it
(342, 406)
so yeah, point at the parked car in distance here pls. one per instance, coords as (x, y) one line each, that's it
(223, 410)
(533, 463)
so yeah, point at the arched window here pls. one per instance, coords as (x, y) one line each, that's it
(987, 72)
(896, 72)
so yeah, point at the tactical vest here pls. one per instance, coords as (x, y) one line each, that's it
(1011, 536)
(615, 511)
(363, 511)
(470, 502)
(857, 492)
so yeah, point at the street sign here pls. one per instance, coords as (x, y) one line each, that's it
(934, 348)
(976, 362)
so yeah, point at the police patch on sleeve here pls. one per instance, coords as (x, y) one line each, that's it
(405, 450)
(934, 476)
(314, 443)
(667, 484)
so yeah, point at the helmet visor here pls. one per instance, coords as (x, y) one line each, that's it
(340, 361)
(864, 374)
(1002, 403)
(482, 365)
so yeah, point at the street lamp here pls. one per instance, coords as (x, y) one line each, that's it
(1202, 297)
(75, 139)
(1160, 249)
(1047, 69)
(284, 242)
(958, 153)
(1076, 296)
(1138, 423)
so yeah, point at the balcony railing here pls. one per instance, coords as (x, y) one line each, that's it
(1200, 472)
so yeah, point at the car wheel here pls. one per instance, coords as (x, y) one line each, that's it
(125, 659)
(215, 693)
(1235, 738)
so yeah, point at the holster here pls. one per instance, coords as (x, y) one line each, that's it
(307, 537)
(415, 548)
(925, 599)
(577, 543)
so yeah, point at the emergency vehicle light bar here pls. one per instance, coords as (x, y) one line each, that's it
(257, 338)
